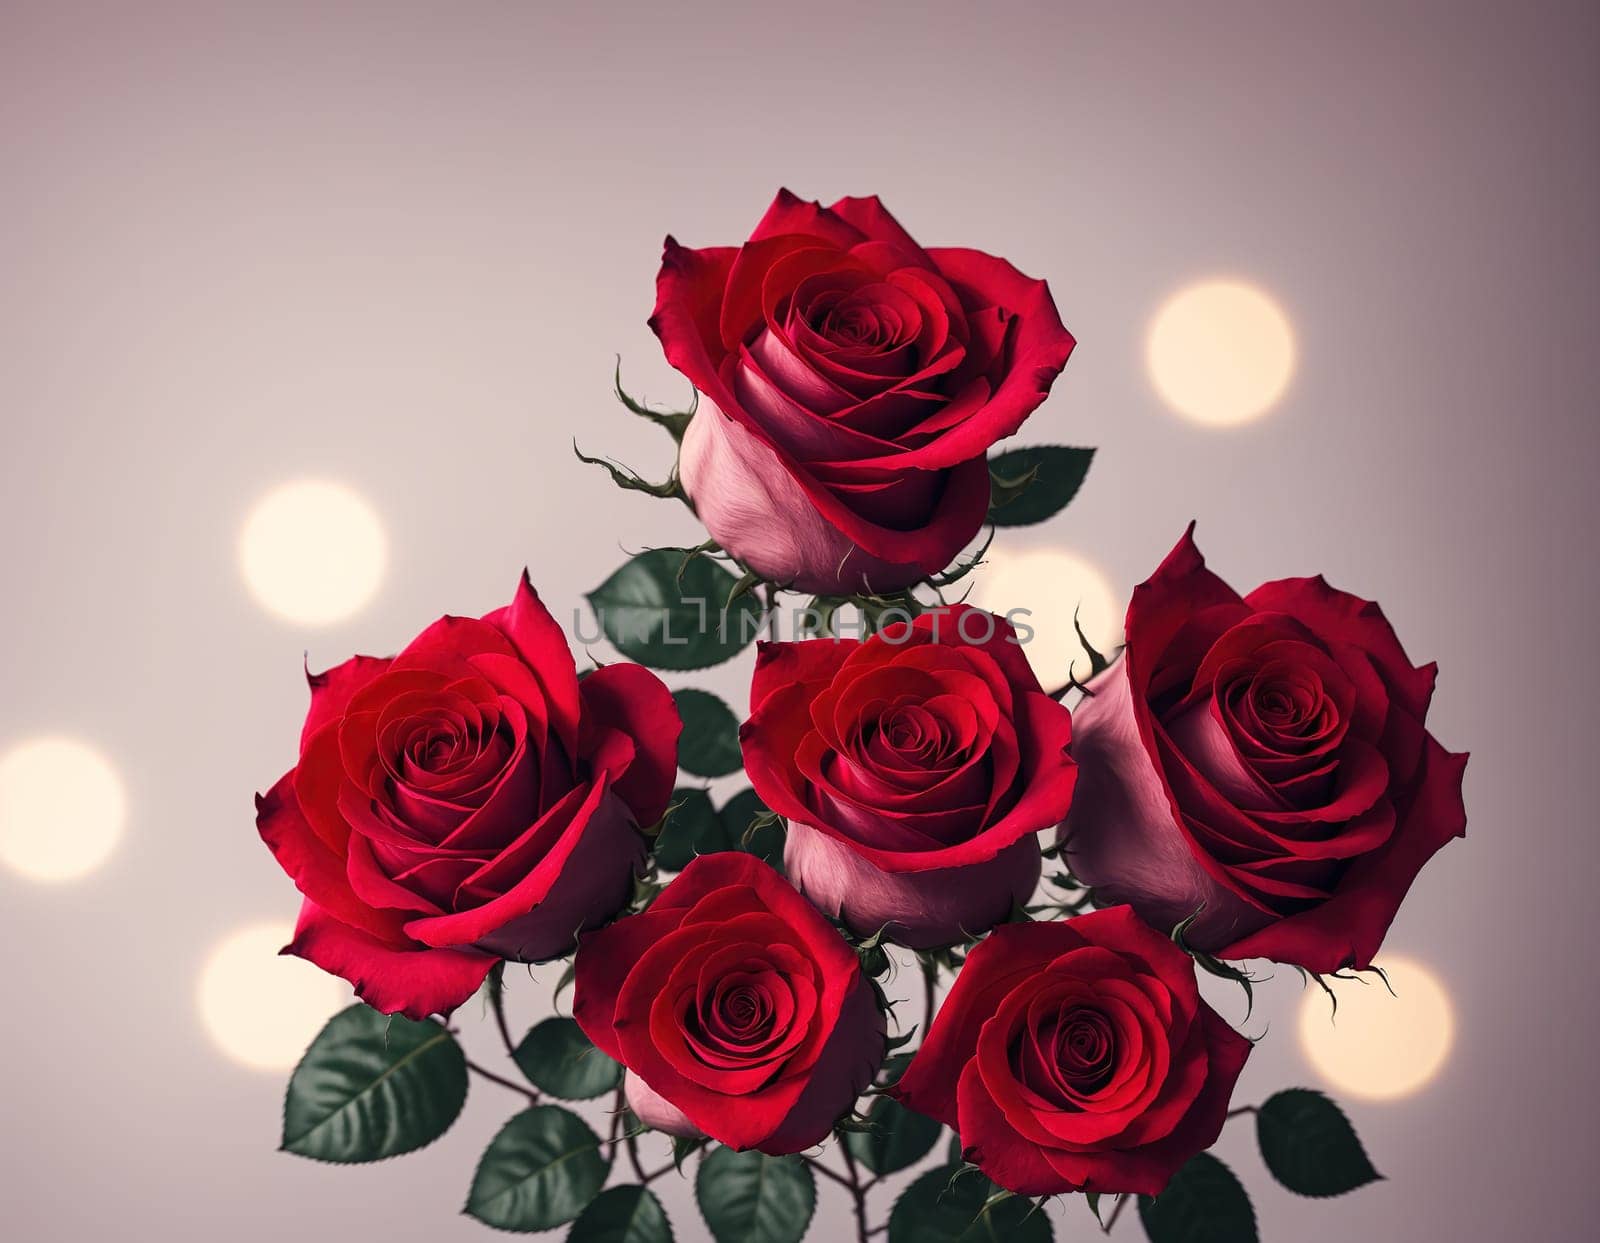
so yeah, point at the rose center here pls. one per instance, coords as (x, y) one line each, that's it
(1084, 1048)
(745, 1011)
(858, 321)
(1282, 704)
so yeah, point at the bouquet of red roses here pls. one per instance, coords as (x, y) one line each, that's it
(1251, 777)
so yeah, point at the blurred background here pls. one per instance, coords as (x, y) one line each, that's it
(303, 306)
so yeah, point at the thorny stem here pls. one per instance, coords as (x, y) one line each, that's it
(630, 1141)
(504, 1083)
(772, 612)
(633, 1158)
(930, 983)
(858, 1191)
(828, 1173)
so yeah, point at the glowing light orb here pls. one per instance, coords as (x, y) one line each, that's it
(260, 1009)
(1050, 583)
(1220, 352)
(62, 809)
(1377, 1046)
(313, 552)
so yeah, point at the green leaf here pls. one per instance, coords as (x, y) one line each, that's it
(628, 1214)
(559, 1059)
(670, 611)
(751, 827)
(748, 1197)
(1204, 1203)
(691, 828)
(896, 1137)
(371, 1087)
(1031, 484)
(1310, 1146)
(951, 1204)
(539, 1172)
(709, 746)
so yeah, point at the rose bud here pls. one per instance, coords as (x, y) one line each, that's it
(738, 1010)
(465, 802)
(1262, 761)
(851, 383)
(914, 768)
(1077, 1056)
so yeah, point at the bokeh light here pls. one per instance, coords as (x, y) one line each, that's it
(313, 552)
(1378, 1046)
(1220, 352)
(259, 1007)
(1051, 583)
(62, 809)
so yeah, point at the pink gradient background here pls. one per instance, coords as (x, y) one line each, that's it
(398, 245)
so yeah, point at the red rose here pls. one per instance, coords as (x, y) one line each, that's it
(467, 801)
(1077, 1056)
(853, 383)
(1262, 760)
(914, 768)
(738, 1010)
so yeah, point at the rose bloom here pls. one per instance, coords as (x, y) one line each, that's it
(739, 1011)
(852, 383)
(467, 801)
(1261, 760)
(914, 768)
(1077, 1056)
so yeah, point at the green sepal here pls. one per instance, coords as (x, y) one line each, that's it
(961, 569)
(676, 422)
(752, 828)
(685, 1146)
(630, 480)
(691, 827)
(893, 1138)
(1211, 965)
